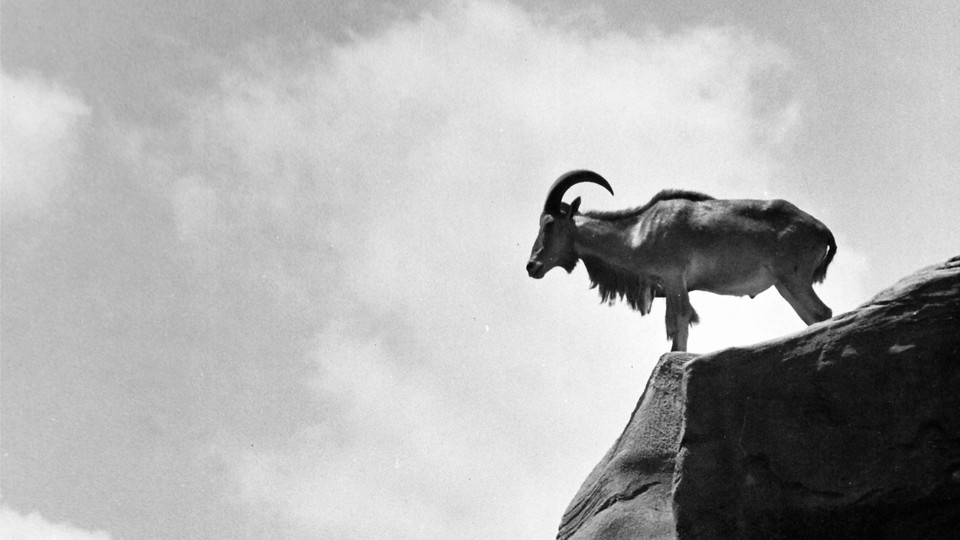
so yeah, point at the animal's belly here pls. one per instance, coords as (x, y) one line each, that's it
(735, 283)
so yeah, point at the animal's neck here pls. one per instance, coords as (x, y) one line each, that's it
(602, 239)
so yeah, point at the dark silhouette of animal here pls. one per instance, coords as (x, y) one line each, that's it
(685, 241)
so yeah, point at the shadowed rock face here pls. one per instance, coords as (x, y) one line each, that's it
(848, 429)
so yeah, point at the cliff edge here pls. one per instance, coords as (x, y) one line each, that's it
(848, 429)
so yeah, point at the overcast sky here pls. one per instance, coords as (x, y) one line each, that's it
(263, 262)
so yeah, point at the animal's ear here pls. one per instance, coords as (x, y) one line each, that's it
(574, 207)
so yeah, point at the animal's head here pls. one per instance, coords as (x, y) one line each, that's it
(555, 242)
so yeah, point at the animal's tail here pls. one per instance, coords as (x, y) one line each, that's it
(821, 272)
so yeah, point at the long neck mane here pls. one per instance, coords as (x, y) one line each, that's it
(615, 283)
(637, 290)
(664, 195)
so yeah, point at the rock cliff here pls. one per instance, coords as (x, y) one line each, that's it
(848, 429)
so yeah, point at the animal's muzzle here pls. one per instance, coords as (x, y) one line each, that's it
(535, 269)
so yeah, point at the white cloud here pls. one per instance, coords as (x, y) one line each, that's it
(196, 206)
(33, 526)
(397, 457)
(40, 139)
(458, 398)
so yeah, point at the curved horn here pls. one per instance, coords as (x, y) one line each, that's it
(565, 182)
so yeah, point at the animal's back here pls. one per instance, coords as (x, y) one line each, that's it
(662, 196)
(730, 216)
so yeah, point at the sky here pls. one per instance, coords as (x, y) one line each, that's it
(263, 262)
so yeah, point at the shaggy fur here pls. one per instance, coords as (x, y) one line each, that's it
(614, 284)
(821, 272)
(637, 290)
(665, 195)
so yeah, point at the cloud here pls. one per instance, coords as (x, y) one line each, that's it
(389, 193)
(392, 462)
(33, 526)
(40, 139)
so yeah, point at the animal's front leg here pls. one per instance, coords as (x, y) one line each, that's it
(680, 341)
(679, 312)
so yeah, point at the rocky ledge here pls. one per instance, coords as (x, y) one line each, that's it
(849, 429)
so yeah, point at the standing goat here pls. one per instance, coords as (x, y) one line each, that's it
(685, 241)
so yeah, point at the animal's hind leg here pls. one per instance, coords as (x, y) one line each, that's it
(796, 304)
(808, 296)
(804, 301)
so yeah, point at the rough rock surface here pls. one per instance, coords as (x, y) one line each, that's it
(848, 429)
(628, 493)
